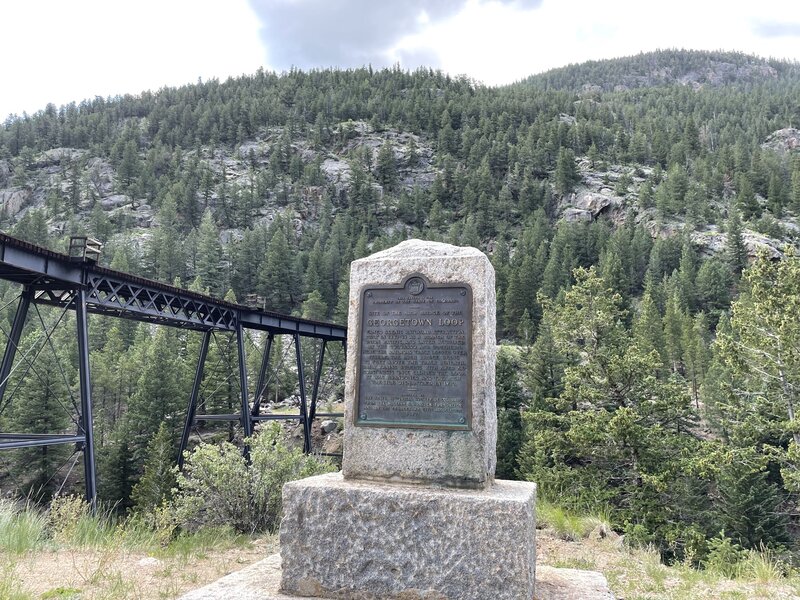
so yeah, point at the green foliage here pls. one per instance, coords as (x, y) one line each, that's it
(725, 556)
(749, 504)
(618, 435)
(159, 475)
(510, 401)
(613, 360)
(42, 405)
(22, 528)
(219, 488)
(566, 175)
(566, 524)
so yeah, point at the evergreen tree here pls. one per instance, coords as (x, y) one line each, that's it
(386, 167)
(566, 173)
(209, 256)
(510, 401)
(314, 307)
(41, 404)
(735, 250)
(160, 473)
(276, 274)
(161, 389)
(117, 473)
(748, 503)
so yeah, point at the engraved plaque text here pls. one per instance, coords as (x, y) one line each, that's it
(415, 358)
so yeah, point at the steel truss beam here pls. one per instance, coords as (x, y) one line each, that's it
(81, 285)
(86, 419)
(11, 441)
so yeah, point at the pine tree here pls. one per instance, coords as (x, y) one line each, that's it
(796, 188)
(386, 167)
(735, 249)
(687, 273)
(41, 404)
(209, 256)
(165, 256)
(275, 276)
(745, 198)
(314, 307)
(129, 166)
(674, 318)
(159, 476)
(713, 285)
(342, 300)
(566, 174)
(748, 503)
(648, 332)
(117, 472)
(161, 389)
(510, 401)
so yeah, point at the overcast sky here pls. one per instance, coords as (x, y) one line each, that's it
(68, 50)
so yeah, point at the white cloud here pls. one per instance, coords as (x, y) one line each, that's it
(499, 42)
(61, 51)
(67, 50)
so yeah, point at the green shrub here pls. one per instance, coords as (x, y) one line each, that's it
(725, 556)
(72, 523)
(219, 488)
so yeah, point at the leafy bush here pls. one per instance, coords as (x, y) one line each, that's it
(72, 523)
(219, 488)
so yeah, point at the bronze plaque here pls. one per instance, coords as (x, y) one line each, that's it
(415, 362)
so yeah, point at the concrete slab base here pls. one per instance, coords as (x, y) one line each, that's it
(261, 581)
(354, 539)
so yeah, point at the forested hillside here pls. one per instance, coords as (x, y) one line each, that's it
(620, 202)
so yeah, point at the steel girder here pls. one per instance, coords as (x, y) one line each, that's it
(81, 285)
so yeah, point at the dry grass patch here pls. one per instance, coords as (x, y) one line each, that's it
(118, 573)
(638, 574)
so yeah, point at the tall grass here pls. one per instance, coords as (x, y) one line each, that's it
(22, 528)
(568, 525)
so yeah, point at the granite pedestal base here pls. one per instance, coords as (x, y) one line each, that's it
(363, 540)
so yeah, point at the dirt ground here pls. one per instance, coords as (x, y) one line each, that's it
(112, 574)
(118, 574)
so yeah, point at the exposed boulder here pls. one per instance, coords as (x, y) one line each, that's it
(57, 156)
(713, 242)
(13, 200)
(101, 176)
(336, 170)
(783, 141)
(593, 202)
(575, 215)
(141, 216)
(570, 584)
(115, 201)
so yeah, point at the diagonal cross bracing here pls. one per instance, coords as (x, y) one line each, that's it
(80, 285)
(54, 276)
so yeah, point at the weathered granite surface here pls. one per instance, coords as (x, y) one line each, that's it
(410, 542)
(440, 457)
(571, 584)
(260, 581)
